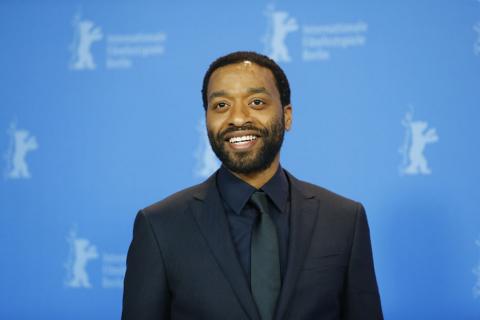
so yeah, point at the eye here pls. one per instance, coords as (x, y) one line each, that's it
(257, 102)
(220, 105)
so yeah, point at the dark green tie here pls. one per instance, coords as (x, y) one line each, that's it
(265, 261)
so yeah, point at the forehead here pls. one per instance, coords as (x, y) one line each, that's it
(240, 76)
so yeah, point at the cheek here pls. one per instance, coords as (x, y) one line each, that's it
(271, 119)
(267, 117)
(214, 124)
(210, 121)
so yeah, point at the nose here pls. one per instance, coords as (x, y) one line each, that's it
(239, 115)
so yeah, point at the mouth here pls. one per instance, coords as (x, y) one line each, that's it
(242, 141)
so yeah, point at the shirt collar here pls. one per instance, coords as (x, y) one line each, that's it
(236, 192)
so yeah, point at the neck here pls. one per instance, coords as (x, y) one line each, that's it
(258, 179)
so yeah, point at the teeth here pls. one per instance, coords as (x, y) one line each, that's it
(242, 139)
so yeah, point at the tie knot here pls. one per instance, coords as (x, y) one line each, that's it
(259, 200)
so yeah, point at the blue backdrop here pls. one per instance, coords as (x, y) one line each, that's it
(101, 114)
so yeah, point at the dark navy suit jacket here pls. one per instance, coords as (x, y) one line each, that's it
(182, 263)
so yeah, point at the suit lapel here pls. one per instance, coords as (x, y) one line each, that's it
(210, 216)
(302, 221)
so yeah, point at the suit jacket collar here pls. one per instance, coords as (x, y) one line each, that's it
(204, 187)
(209, 213)
(302, 221)
(236, 192)
(212, 222)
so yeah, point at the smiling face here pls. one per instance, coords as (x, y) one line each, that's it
(245, 118)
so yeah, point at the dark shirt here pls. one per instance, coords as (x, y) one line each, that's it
(241, 214)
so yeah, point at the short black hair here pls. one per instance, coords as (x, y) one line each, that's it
(239, 56)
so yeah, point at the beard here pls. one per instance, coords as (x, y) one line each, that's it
(252, 161)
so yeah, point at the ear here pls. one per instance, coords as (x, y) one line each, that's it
(287, 114)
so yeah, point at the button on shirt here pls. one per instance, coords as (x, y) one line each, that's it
(241, 214)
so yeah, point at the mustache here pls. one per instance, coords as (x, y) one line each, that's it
(249, 127)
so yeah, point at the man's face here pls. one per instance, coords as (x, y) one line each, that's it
(245, 118)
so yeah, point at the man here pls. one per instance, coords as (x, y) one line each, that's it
(252, 241)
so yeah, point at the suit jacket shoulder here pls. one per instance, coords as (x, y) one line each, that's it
(178, 201)
(329, 200)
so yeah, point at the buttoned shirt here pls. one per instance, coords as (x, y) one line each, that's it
(242, 214)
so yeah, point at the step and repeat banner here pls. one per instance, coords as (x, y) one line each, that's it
(101, 115)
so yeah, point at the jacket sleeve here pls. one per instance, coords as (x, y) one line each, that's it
(145, 292)
(362, 299)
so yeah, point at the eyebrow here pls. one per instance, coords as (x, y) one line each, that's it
(215, 94)
(258, 90)
(223, 93)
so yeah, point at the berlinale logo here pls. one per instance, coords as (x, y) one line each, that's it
(280, 25)
(81, 252)
(476, 45)
(417, 137)
(21, 143)
(85, 34)
(110, 266)
(476, 272)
